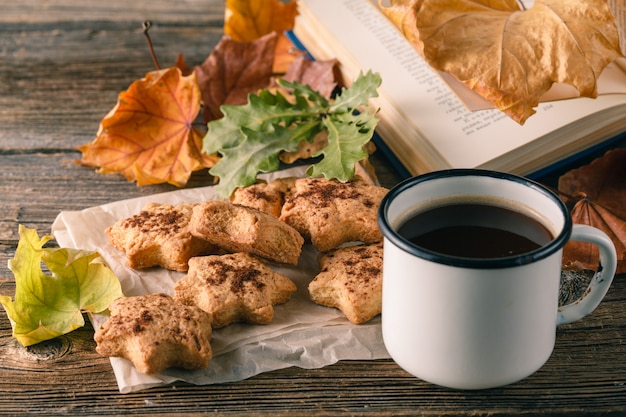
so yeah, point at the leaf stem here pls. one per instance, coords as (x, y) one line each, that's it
(147, 24)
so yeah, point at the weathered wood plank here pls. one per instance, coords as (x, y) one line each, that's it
(62, 64)
(180, 12)
(64, 90)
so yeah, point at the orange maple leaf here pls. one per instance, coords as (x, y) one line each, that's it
(149, 135)
(599, 193)
(246, 21)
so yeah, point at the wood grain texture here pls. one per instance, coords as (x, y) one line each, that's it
(62, 65)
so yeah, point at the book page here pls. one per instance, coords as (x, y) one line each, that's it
(463, 138)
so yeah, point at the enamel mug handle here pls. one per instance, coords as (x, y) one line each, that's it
(600, 282)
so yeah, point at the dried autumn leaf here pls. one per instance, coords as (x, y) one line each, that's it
(600, 189)
(402, 14)
(247, 21)
(284, 55)
(508, 56)
(149, 135)
(233, 70)
(182, 65)
(321, 76)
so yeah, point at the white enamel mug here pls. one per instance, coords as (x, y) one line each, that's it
(479, 323)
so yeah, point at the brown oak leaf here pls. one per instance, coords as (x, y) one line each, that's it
(509, 56)
(233, 70)
(598, 192)
(149, 135)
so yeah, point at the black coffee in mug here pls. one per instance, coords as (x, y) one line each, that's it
(476, 323)
(479, 230)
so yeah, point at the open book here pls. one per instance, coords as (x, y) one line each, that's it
(426, 124)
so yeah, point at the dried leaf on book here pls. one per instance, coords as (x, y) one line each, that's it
(598, 193)
(509, 56)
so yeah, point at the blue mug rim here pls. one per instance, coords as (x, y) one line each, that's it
(477, 263)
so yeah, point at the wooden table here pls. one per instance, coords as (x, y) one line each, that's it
(62, 64)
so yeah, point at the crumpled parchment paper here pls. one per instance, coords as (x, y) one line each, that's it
(301, 334)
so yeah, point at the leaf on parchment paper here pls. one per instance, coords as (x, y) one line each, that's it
(247, 21)
(599, 193)
(508, 56)
(233, 70)
(349, 131)
(148, 136)
(251, 137)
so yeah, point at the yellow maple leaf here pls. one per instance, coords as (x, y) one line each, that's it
(247, 21)
(509, 56)
(149, 135)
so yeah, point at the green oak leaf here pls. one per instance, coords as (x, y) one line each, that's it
(259, 152)
(48, 306)
(355, 97)
(250, 137)
(347, 133)
(261, 113)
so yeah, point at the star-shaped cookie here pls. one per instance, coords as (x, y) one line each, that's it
(155, 333)
(331, 213)
(267, 197)
(158, 236)
(233, 288)
(238, 228)
(351, 280)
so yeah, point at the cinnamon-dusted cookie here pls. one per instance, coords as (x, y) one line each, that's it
(267, 197)
(158, 236)
(156, 333)
(244, 229)
(330, 213)
(351, 280)
(233, 288)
